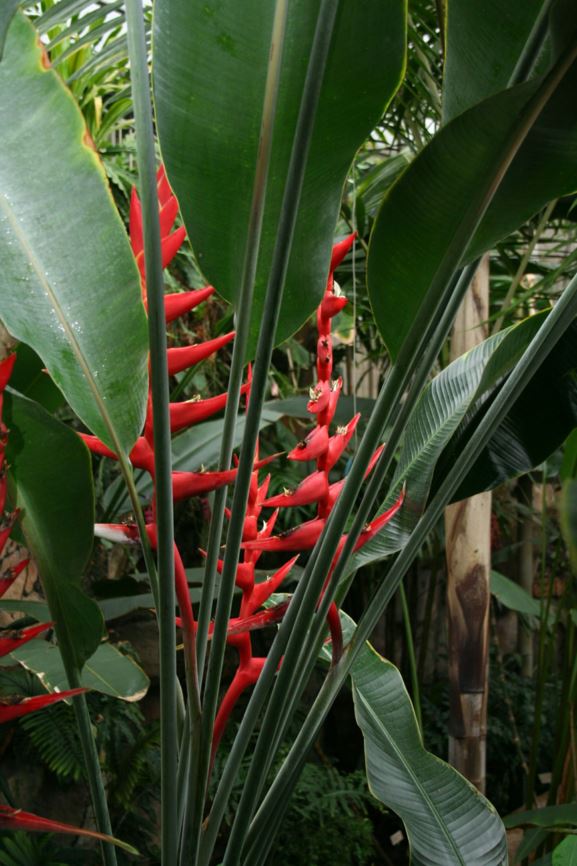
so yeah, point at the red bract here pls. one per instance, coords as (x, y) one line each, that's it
(17, 819)
(11, 639)
(13, 708)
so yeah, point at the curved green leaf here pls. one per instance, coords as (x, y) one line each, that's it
(7, 10)
(436, 417)
(69, 286)
(527, 437)
(565, 854)
(107, 671)
(209, 62)
(415, 233)
(561, 815)
(514, 597)
(448, 822)
(568, 517)
(51, 481)
(483, 43)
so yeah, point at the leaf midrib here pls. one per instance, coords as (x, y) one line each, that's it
(53, 299)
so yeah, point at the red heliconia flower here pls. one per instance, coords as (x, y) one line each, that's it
(17, 819)
(11, 639)
(13, 708)
(303, 537)
(313, 488)
(313, 446)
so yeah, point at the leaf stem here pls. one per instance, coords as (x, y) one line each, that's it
(146, 161)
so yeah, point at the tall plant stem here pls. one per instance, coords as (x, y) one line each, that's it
(556, 324)
(161, 423)
(275, 286)
(416, 696)
(200, 760)
(93, 771)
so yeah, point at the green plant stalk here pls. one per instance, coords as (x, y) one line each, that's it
(146, 161)
(243, 317)
(94, 773)
(276, 279)
(297, 618)
(550, 332)
(200, 762)
(416, 696)
(542, 662)
(522, 266)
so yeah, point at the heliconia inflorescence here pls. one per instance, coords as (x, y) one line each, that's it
(321, 445)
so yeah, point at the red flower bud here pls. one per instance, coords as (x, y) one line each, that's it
(179, 303)
(340, 250)
(319, 396)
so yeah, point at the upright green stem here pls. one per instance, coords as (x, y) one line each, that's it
(146, 160)
(275, 286)
(93, 771)
(412, 658)
(200, 759)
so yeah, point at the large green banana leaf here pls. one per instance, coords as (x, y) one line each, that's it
(414, 238)
(448, 823)
(453, 403)
(209, 64)
(69, 286)
(107, 671)
(51, 481)
(483, 42)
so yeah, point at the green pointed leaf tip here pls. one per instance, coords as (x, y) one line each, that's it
(424, 210)
(210, 61)
(440, 410)
(69, 286)
(448, 822)
(51, 481)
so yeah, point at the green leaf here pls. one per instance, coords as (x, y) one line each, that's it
(30, 379)
(446, 819)
(439, 412)
(565, 854)
(69, 286)
(526, 438)
(562, 815)
(484, 41)
(568, 467)
(513, 596)
(107, 671)
(418, 233)
(210, 60)
(7, 10)
(568, 517)
(51, 481)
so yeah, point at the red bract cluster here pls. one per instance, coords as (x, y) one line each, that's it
(322, 446)
(325, 449)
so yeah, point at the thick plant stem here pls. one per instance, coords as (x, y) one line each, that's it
(162, 451)
(200, 759)
(544, 341)
(94, 773)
